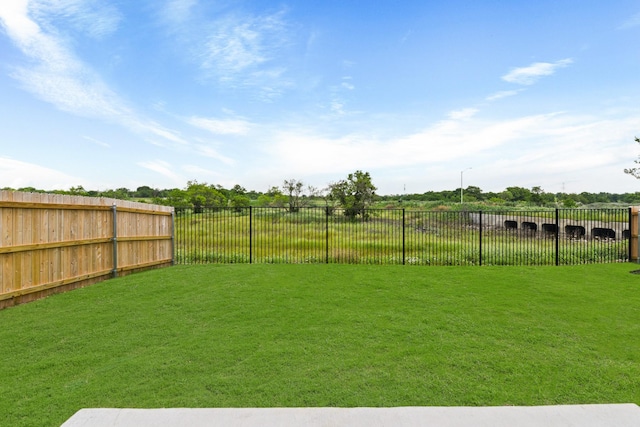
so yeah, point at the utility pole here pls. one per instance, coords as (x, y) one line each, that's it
(461, 190)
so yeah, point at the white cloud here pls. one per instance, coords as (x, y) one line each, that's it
(198, 171)
(235, 48)
(13, 16)
(337, 107)
(90, 17)
(632, 22)
(72, 89)
(237, 43)
(346, 83)
(57, 75)
(536, 145)
(156, 129)
(462, 114)
(309, 153)
(270, 82)
(502, 94)
(531, 74)
(207, 151)
(221, 127)
(178, 11)
(17, 174)
(589, 152)
(164, 169)
(97, 141)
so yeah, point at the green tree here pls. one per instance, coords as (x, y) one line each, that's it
(263, 200)
(202, 195)
(473, 193)
(119, 193)
(635, 172)
(519, 194)
(506, 195)
(27, 190)
(293, 189)
(145, 192)
(176, 198)
(78, 191)
(537, 195)
(238, 190)
(354, 194)
(239, 202)
(569, 202)
(273, 197)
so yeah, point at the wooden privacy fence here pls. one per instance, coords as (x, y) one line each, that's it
(51, 243)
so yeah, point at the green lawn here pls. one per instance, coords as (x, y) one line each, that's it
(325, 335)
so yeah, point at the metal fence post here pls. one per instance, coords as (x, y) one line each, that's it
(630, 212)
(173, 236)
(403, 237)
(250, 234)
(633, 234)
(326, 234)
(480, 238)
(637, 236)
(114, 210)
(557, 237)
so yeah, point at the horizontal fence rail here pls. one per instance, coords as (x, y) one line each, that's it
(50, 243)
(398, 236)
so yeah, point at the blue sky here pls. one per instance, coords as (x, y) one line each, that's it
(122, 93)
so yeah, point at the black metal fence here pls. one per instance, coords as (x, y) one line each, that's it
(399, 236)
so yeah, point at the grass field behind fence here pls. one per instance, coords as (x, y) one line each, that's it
(325, 335)
(388, 237)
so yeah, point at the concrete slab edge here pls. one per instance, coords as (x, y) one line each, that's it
(599, 415)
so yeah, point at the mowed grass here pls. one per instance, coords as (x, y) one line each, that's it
(325, 335)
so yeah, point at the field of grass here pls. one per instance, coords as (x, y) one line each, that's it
(325, 335)
(388, 237)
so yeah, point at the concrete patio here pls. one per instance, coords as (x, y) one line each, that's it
(618, 415)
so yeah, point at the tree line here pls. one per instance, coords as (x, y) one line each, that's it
(354, 193)
(535, 196)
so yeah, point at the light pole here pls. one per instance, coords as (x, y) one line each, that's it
(461, 193)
